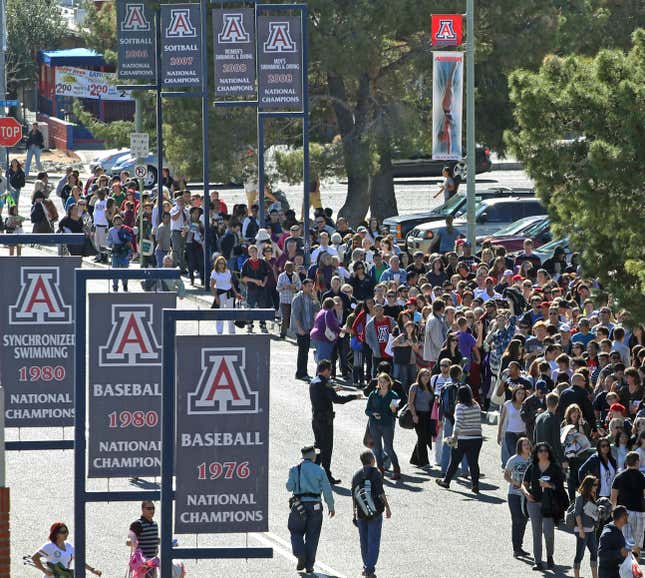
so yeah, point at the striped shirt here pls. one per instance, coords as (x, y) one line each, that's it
(468, 421)
(147, 533)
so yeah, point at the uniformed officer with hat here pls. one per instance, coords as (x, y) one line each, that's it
(307, 482)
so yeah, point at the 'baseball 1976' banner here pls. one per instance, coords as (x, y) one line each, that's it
(222, 444)
(37, 337)
(447, 101)
(125, 384)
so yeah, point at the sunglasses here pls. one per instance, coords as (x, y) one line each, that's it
(543, 450)
(148, 507)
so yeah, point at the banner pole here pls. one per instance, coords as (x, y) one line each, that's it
(470, 119)
(305, 130)
(205, 144)
(159, 114)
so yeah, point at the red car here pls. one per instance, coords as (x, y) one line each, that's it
(537, 228)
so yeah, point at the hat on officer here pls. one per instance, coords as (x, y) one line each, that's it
(309, 452)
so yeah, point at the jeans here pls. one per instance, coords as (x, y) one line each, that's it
(518, 521)
(540, 525)
(120, 262)
(446, 450)
(471, 449)
(33, 151)
(406, 374)
(304, 342)
(305, 533)
(324, 350)
(592, 545)
(370, 534)
(159, 255)
(383, 435)
(508, 445)
(256, 297)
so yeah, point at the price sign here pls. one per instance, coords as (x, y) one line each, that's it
(125, 384)
(222, 445)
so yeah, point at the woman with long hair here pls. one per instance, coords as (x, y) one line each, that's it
(420, 402)
(514, 475)
(543, 484)
(382, 407)
(15, 179)
(602, 465)
(511, 426)
(223, 290)
(437, 274)
(405, 347)
(586, 516)
(574, 434)
(450, 350)
(468, 434)
(57, 553)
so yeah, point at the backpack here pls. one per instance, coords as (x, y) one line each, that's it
(448, 401)
(365, 504)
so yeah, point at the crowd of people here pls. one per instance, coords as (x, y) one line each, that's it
(445, 336)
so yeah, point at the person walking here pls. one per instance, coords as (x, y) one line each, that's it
(602, 465)
(435, 333)
(586, 517)
(628, 490)
(382, 407)
(468, 434)
(547, 428)
(57, 553)
(144, 535)
(514, 474)
(420, 402)
(377, 334)
(304, 308)
(15, 179)
(612, 548)
(323, 397)
(511, 427)
(255, 274)
(370, 502)
(119, 239)
(307, 482)
(35, 145)
(543, 480)
(325, 331)
(288, 285)
(224, 291)
(178, 228)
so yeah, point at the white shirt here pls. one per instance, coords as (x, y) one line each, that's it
(323, 249)
(53, 554)
(222, 280)
(438, 381)
(607, 475)
(483, 294)
(177, 224)
(514, 422)
(99, 213)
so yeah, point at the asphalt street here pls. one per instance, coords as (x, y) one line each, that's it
(432, 532)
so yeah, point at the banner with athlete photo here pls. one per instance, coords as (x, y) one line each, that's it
(447, 105)
(81, 83)
(222, 444)
(37, 338)
(124, 372)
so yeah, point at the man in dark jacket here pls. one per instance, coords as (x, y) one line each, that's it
(611, 547)
(533, 406)
(323, 397)
(547, 427)
(577, 394)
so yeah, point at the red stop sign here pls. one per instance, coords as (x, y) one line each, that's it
(10, 132)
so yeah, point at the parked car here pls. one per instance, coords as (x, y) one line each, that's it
(128, 163)
(491, 215)
(108, 159)
(401, 225)
(546, 251)
(423, 165)
(537, 228)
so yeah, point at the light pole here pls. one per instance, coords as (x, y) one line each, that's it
(470, 118)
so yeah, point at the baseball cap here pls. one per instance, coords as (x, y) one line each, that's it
(508, 272)
(489, 280)
(618, 407)
(467, 244)
(517, 278)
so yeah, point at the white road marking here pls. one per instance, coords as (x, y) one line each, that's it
(283, 548)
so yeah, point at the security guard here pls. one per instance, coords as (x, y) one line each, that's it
(307, 481)
(323, 396)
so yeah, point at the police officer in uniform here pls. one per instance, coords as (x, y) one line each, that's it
(307, 481)
(323, 395)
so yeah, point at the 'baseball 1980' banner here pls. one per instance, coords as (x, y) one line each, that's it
(222, 444)
(447, 101)
(37, 337)
(125, 384)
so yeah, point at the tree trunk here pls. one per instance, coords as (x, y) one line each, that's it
(356, 148)
(382, 197)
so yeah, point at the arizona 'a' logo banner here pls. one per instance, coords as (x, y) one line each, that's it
(446, 29)
(40, 300)
(223, 386)
(132, 340)
(279, 38)
(180, 25)
(233, 31)
(135, 19)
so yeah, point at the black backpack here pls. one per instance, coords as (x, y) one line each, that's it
(448, 401)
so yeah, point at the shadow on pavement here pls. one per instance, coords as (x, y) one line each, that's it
(341, 491)
(480, 497)
(400, 484)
